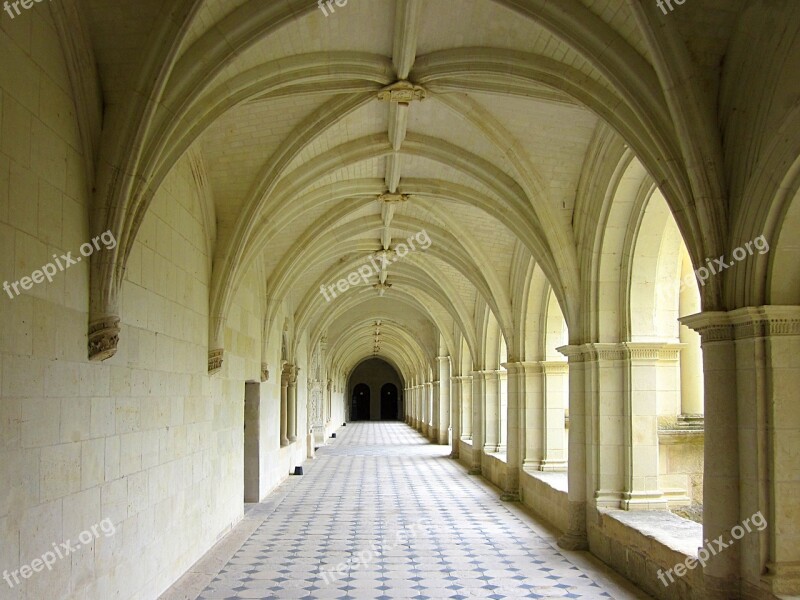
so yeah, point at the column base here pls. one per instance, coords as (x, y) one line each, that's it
(644, 501)
(783, 578)
(509, 496)
(552, 466)
(454, 454)
(474, 470)
(692, 422)
(490, 449)
(573, 541)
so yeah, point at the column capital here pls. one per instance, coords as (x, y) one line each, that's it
(653, 351)
(765, 321)
(215, 359)
(462, 377)
(593, 351)
(442, 358)
(712, 326)
(523, 367)
(554, 366)
(745, 323)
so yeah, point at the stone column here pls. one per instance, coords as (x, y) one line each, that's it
(406, 407)
(646, 368)
(517, 387)
(721, 462)
(691, 363)
(491, 410)
(502, 411)
(455, 415)
(291, 425)
(466, 406)
(444, 400)
(422, 404)
(768, 359)
(607, 448)
(477, 423)
(532, 414)
(433, 432)
(284, 405)
(555, 377)
(575, 538)
(427, 412)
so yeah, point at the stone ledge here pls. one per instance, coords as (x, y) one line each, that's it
(674, 532)
(558, 480)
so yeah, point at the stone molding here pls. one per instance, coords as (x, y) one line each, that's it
(103, 338)
(264, 372)
(554, 367)
(402, 92)
(745, 323)
(653, 351)
(215, 360)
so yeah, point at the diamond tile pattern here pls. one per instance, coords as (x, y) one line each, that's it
(382, 514)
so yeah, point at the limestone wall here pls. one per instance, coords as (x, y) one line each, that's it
(146, 439)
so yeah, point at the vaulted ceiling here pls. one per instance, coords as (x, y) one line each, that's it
(331, 133)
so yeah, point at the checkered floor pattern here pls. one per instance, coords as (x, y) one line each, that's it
(383, 514)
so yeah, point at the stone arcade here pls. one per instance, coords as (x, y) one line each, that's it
(580, 169)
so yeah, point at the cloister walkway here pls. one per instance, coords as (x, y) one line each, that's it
(382, 513)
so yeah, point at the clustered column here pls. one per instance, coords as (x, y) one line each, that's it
(444, 401)
(285, 373)
(292, 405)
(455, 416)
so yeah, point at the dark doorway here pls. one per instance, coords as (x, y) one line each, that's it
(389, 402)
(361, 401)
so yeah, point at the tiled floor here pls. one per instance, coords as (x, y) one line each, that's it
(382, 514)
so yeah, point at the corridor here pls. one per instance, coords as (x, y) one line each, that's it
(381, 513)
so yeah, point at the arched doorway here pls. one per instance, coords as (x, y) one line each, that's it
(389, 402)
(361, 402)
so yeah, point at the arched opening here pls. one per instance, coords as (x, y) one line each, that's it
(361, 403)
(375, 391)
(389, 402)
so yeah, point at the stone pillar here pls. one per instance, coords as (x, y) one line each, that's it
(575, 538)
(502, 411)
(517, 387)
(751, 403)
(455, 415)
(555, 392)
(427, 412)
(768, 355)
(406, 407)
(491, 410)
(721, 462)
(284, 405)
(532, 414)
(647, 366)
(418, 392)
(466, 407)
(444, 400)
(435, 425)
(291, 421)
(477, 422)
(606, 447)
(691, 364)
